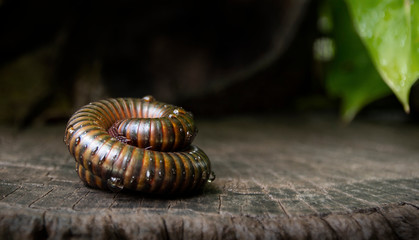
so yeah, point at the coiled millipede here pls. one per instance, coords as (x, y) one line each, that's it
(137, 144)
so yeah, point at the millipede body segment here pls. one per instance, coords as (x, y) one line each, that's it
(138, 144)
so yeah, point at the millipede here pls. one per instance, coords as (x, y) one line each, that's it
(137, 144)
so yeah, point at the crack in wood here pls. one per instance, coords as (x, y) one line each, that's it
(378, 210)
(219, 204)
(298, 196)
(278, 201)
(39, 198)
(73, 207)
(27, 165)
(140, 205)
(115, 233)
(401, 185)
(182, 229)
(113, 200)
(332, 230)
(376, 193)
(14, 190)
(248, 194)
(166, 232)
(411, 204)
(325, 192)
(63, 181)
(369, 203)
(355, 220)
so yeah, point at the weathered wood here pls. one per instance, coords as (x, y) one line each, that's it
(277, 177)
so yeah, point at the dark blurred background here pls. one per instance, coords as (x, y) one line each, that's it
(210, 57)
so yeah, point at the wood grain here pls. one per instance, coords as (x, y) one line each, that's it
(277, 177)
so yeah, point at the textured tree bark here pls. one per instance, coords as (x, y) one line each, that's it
(288, 177)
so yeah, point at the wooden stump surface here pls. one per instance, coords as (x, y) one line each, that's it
(300, 176)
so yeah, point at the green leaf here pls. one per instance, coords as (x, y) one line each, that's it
(351, 75)
(390, 32)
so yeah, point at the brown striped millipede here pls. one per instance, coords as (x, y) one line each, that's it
(137, 144)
